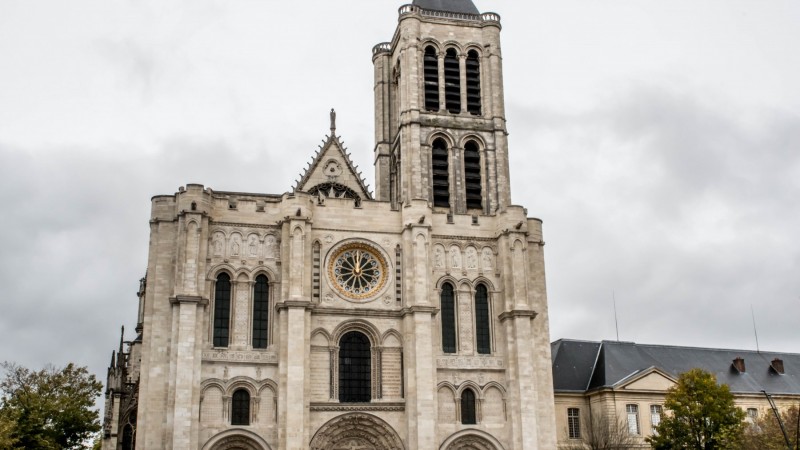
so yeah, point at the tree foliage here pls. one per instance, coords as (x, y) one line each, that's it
(765, 432)
(48, 409)
(702, 415)
(605, 433)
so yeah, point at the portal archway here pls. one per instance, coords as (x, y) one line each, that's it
(356, 431)
(236, 440)
(471, 440)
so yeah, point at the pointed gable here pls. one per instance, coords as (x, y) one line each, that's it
(332, 173)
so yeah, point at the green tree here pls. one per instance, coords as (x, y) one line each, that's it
(51, 408)
(7, 428)
(702, 415)
(765, 432)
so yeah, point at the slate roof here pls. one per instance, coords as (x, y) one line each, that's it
(456, 6)
(580, 366)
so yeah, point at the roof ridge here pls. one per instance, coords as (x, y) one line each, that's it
(701, 348)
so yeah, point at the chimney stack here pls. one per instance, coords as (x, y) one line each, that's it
(777, 366)
(738, 364)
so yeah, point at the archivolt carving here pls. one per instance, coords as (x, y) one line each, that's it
(236, 440)
(471, 440)
(356, 431)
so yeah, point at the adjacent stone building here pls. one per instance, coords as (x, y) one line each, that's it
(615, 389)
(329, 317)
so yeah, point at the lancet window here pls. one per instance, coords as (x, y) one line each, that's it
(261, 312)
(452, 82)
(468, 416)
(355, 368)
(240, 408)
(472, 175)
(482, 331)
(222, 310)
(431, 72)
(473, 83)
(448, 318)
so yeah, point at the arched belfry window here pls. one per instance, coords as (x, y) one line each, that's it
(472, 175)
(240, 408)
(473, 83)
(260, 312)
(468, 416)
(441, 173)
(355, 368)
(128, 438)
(452, 81)
(222, 310)
(431, 70)
(448, 313)
(482, 331)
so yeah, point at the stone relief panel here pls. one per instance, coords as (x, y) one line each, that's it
(472, 258)
(267, 407)
(252, 246)
(391, 373)
(455, 257)
(242, 318)
(320, 375)
(487, 259)
(211, 406)
(465, 334)
(218, 244)
(447, 406)
(470, 362)
(493, 406)
(235, 246)
(438, 257)
(271, 247)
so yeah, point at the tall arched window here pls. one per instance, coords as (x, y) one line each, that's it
(128, 438)
(240, 408)
(260, 312)
(355, 368)
(431, 69)
(448, 313)
(468, 407)
(482, 333)
(452, 81)
(472, 175)
(222, 310)
(441, 173)
(473, 83)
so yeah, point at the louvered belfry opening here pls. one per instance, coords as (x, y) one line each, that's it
(354, 368)
(431, 70)
(441, 173)
(473, 83)
(472, 175)
(448, 316)
(452, 82)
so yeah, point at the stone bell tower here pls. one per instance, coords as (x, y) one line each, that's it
(440, 126)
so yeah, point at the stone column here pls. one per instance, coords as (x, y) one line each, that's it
(186, 376)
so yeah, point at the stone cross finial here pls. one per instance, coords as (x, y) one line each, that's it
(333, 120)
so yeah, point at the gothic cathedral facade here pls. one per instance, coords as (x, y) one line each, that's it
(331, 317)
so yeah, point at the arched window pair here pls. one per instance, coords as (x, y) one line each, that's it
(222, 311)
(440, 166)
(448, 317)
(451, 78)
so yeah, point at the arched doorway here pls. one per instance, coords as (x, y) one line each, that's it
(236, 440)
(356, 431)
(471, 440)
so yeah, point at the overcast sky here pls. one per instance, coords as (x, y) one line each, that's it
(658, 140)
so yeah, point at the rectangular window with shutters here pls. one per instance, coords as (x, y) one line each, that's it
(574, 423)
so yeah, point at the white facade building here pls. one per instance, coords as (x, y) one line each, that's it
(331, 318)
